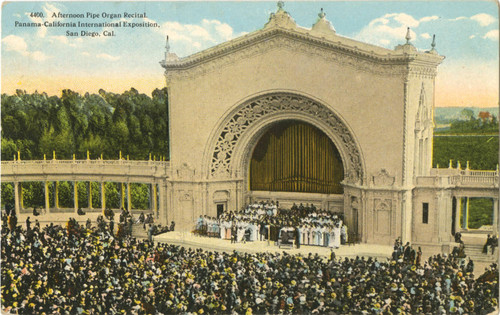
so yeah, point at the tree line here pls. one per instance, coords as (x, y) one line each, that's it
(480, 151)
(484, 123)
(104, 123)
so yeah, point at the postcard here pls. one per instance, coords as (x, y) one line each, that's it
(249, 157)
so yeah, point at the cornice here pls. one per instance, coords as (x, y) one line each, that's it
(212, 61)
(333, 44)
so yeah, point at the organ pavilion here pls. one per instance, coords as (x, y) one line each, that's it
(293, 114)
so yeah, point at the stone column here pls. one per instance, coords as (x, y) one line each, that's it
(162, 205)
(56, 194)
(16, 198)
(495, 216)
(90, 193)
(465, 225)
(47, 200)
(444, 214)
(153, 197)
(406, 217)
(103, 197)
(21, 197)
(458, 210)
(362, 218)
(122, 196)
(129, 200)
(150, 199)
(75, 195)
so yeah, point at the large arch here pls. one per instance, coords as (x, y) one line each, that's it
(231, 145)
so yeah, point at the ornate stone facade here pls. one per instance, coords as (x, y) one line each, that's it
(250, 113)
(363, 97)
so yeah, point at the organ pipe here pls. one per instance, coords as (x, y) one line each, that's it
(296, 157)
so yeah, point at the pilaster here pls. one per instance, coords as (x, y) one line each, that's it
(47, 200)
(16, 198)
(75, 195)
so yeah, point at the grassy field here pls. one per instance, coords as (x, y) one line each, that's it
(481, 151)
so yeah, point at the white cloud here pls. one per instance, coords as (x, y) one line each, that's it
(493, 35)
(18, 44)
(388, 30)
(218, 29)
(403, 19)
(71, 42)
(472, 36)
(458, 18)
(428, 18)
(425, 35)
(15, 43)
(107, 57)
(84, 53)
(48, 9)
(61, 39)
(186, 39)
(38, 55)
(483, 19)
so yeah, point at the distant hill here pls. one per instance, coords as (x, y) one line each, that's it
(445, 115)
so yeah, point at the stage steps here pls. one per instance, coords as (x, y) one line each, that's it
(139, 232)
(475, 252)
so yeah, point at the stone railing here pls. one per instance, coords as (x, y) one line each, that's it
(21, 170)
(474, 180)
(457, 177)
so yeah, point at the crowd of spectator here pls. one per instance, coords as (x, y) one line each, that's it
(85, 270)
(304, 225)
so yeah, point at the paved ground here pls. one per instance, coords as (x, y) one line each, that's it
(189, 240)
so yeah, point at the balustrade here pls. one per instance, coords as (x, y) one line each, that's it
(124, 172)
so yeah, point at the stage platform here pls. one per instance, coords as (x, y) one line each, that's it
(187, 239)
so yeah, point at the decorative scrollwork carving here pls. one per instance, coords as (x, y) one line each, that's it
(254, 110)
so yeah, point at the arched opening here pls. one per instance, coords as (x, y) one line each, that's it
(294, 156)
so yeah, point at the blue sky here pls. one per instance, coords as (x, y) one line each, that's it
(45, 59)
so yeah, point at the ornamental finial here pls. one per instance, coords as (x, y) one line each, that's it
(321, 14)
(167, 49)
(281, 4)
(408, 36)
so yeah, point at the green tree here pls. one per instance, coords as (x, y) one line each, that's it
(7, 195)
(33, 194)
(113, 195)
(467, 114)
(139, 195)
(66, 192)
(9, 149)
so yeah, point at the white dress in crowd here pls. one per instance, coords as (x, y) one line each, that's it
(253, 232)
(332, 240)
(222, 229)
(241, 231)
(337, 235)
